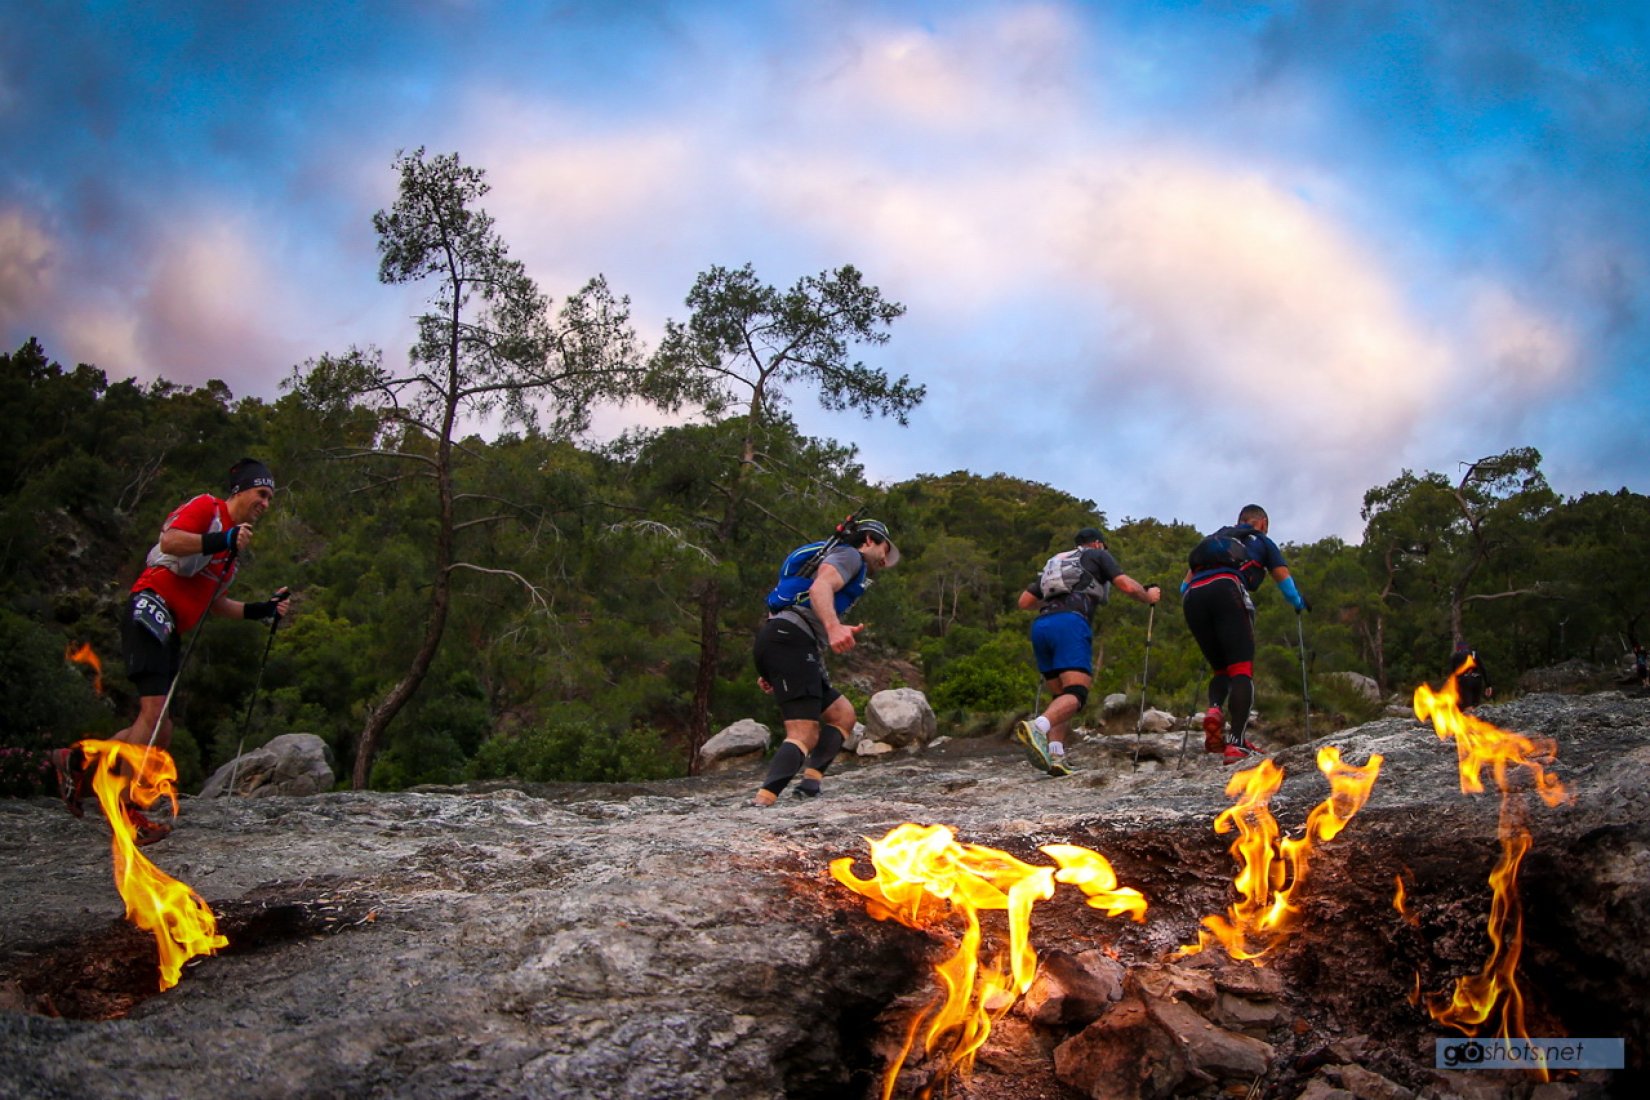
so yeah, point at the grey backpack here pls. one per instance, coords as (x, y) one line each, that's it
(1063, 574)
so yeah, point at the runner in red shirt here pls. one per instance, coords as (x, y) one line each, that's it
(186, 574)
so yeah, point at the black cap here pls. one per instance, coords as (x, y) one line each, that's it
(1090, 534)
(249, 473)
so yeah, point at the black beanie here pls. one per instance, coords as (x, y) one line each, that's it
(249, 473)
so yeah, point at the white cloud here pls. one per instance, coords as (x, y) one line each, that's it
(27, 256)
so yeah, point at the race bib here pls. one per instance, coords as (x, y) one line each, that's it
(151, 612)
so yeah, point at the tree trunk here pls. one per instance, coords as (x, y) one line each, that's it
(379, 719)
(704, 678)
(384, 713)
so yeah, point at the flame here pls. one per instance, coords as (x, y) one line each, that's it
(182, 924)
(1271, 867)
(83, 655)
(923, 876)
(1479, 744)
(1398, 903)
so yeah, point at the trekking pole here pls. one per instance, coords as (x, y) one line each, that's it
(246, 723)
(1306, 690)
(1187, 732)
(166, 705)
(1145, 678)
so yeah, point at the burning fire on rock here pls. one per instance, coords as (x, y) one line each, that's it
(1272, 867)
(1478, 744)
(83, 655)
(182, 923)
(923, 876)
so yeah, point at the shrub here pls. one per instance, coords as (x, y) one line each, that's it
(572, 745)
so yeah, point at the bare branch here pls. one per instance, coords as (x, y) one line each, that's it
(532, 589)
(654, 527)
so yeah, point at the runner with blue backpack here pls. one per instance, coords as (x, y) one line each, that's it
(818, 583)
(1071, 587)
(1222, 570)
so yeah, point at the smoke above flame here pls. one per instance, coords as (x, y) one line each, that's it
(1469, 1006)
(182, 924)
(1272, 867)
(923, 877)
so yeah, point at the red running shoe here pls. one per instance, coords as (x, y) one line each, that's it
(146, 830)
(1214, 740)
(72, 782)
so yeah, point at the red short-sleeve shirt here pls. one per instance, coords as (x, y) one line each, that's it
(187, 583)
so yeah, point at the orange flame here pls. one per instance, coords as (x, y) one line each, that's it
(83, 655)
(1270, 869)
(1479, 744)
(923, 875)
(1398, 903)
(182, 924)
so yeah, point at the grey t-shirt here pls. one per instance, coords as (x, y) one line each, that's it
(847, 562)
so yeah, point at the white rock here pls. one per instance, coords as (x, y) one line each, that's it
(900, 717)
(734, 746)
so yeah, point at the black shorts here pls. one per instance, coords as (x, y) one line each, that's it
(1219, 617)
(788, 658)
(150, 663)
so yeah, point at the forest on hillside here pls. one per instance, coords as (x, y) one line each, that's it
(540, 605)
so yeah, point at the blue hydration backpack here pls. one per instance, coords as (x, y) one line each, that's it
(796, 576)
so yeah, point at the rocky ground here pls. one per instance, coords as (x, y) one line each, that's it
(666, 940)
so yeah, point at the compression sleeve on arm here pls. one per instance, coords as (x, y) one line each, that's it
(1291, 593)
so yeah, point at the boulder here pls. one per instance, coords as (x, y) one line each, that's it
(900, 718)
(1357, 681)
(1571, 676)
(737, 746)
(1114, 704)
(1156, 721)
(291, 764)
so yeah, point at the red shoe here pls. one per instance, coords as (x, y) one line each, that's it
(146, 830)
(1213, 723)
(1237, 754)
(71, 781)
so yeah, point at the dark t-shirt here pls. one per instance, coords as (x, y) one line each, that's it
(1098, 564)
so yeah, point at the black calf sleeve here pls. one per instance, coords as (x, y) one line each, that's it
(1243, 698)
(1219, 685)
(830, 743)
(787, 761)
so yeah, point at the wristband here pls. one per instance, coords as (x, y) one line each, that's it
(216, 542)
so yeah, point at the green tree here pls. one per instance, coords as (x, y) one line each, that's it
(743, 346)
(487, 346)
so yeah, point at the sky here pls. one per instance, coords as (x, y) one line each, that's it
(1172, 257)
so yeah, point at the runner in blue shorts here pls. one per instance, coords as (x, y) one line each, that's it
(1071, 587)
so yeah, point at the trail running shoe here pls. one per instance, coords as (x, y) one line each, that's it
(809, 787)
(71, 781)
(146, 830)
(1238, 753)
(1036, 744)
(1057, 765)
(1213, 723)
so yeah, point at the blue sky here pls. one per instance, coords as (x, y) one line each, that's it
(1173, 257)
